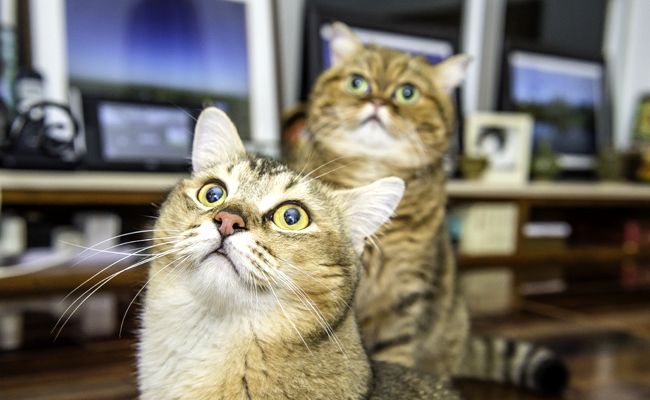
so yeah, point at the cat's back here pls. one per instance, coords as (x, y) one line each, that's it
(395, 382)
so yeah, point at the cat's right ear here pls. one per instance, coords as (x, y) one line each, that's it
(369, 207)
(343, 43)
(215, 140)
(451, 72)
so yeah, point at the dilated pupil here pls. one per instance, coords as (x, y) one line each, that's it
(357, 81)
(407, 92)
(291, 216)
(214, 194)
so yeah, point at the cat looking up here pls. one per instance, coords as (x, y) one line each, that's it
(249, 293)
(379, 112)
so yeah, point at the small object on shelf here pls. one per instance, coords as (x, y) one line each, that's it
(546, 279)
(473, 167)
(641, 130)
(545, 236)
(489, 229)
(544, 165)
(610, 165)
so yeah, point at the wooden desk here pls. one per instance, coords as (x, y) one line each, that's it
(65, 278)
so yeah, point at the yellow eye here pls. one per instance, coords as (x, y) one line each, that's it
(407, 94)
(212, 194)
(357, 84)
(291, 217)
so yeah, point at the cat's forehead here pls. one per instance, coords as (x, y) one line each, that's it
(390, 65)
(260, 181)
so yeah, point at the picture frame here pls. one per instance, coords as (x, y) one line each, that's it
(505, 140)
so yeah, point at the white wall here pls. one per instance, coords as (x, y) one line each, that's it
(627, 51)
(290, 15)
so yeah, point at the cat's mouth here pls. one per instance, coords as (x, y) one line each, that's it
(374, 118)
(221, 252)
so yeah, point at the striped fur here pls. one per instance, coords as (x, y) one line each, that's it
(255, 309)
(408, 304)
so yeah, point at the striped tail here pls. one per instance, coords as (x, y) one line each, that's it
(517, 362)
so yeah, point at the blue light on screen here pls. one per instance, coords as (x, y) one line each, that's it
(192, 45)
(564, 96)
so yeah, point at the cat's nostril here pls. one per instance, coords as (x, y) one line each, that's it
(228, 223)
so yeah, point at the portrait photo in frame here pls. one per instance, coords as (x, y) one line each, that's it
(504, 139)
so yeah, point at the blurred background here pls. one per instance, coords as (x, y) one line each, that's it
(548, 187)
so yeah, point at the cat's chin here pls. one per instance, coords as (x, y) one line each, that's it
(219, 259)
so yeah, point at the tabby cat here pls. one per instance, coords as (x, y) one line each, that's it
(249, 294)
(380, 112)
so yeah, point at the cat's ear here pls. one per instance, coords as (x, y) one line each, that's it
(343, 42)
(451, 72)
(215, 140)
(369, 207)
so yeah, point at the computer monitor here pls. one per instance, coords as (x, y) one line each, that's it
(164, 59)
(565, 95)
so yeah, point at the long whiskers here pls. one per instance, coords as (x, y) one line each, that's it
(147, 283)
(329, 172)
(287, 315)
(324, 165)
(136, 253)
(88, 293)
(314, 310)
(312, 277)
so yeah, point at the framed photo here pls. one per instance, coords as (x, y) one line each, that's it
(504, 139)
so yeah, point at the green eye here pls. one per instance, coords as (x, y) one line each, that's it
(212, 194)
(407, 94)
(291, 217)
(357, 84)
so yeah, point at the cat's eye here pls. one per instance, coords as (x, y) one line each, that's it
(212, 194)
(291, 217)
(357, 84)
(407, 94)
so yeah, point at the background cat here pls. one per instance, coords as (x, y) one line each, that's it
(380, 112)
(249, 293)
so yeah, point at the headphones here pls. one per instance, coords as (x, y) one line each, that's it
(45, 127)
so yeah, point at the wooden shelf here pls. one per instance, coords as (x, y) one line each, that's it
(603, 191)
(96, 187)
(570, 256)
(88, 181)
(85, 187)
(66, 278)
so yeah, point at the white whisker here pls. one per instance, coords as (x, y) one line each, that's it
(287, 315)
(88, 293)
(145, 285)
(116, 262)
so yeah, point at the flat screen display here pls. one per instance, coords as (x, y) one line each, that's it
(564, 96)
(142, 133)
(166, 51)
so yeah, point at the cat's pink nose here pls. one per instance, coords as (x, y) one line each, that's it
(228, 222)
(377, 102)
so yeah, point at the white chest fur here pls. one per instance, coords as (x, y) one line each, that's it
(183, 346)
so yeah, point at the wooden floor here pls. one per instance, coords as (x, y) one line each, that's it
(607, 349)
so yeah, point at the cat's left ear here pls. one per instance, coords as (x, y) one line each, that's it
(451, 72)
(369, 207)
(215, 140)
